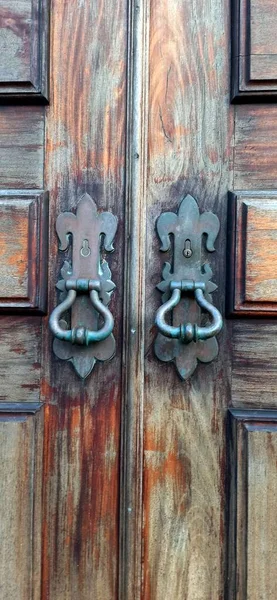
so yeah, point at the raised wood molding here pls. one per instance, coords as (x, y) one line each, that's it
(252, 551)
(23, 247)
(131, 525)
(252, 253)
(24, 50)
(254, 50)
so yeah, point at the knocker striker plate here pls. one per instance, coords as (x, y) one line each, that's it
(187, 289)
(85, 288)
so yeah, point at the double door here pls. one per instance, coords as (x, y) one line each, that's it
(142, 478)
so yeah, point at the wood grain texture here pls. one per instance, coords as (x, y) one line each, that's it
(255, 148)
(22, 147)
(85, 151)
(20, 493)
(24, 49)
(254, 365)
(253, 505)
(20, 359)
(254, 50)
(252, 233)
(23, 252)
(184, 456)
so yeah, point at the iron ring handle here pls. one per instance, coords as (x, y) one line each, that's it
(81, 335)
(188, 332)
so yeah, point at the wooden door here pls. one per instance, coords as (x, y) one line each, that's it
(133, 483)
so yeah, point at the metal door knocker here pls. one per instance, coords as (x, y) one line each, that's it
(86, 288)
(187, 289)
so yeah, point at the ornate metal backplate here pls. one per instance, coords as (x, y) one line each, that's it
(89, 229)
(187, 227)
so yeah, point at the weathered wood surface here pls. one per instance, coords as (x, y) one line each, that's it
(20, 502)
(255, 147)
(252, 534)
(23, 251)
(22, 147)
(168, 95)
(252, 233)
(20, 359)
(254, 49)
(261, 250)
(85, 151)
(254, 365)
(189, 152)
(23, 48)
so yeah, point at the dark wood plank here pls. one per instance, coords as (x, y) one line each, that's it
(253, 505)
(24, 49)
(252, 233)
(21, 437)
(85, 151)
(22, 147)
(23, 252)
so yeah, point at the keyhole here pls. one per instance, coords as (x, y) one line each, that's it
(85, 250)
(187, 252)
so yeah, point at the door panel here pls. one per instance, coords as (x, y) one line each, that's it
(24, 49)
(255, 151)
(22, 147)
(252, 250)
(21, 436)
(20, 359)
(254, 368)
(24, 252)
(254, 49)
(253, 504)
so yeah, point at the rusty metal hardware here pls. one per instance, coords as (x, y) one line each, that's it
(86, 288)
(187, 288)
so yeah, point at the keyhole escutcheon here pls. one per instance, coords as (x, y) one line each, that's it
(187, 252)
(85, 250)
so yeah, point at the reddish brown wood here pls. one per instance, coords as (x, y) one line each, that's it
(85, 151)
(184, 431)
(252, 289)
(23, 252)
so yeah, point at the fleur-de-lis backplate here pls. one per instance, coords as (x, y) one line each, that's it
(89, 229)
(189, 343)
